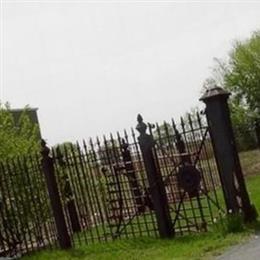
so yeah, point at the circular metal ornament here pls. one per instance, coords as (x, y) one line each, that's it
(188, 178)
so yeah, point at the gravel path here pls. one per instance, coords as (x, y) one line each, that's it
(246, 251)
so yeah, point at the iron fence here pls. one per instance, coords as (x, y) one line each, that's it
(105, 192)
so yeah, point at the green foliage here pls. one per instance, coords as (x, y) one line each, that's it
(243, 72)
(109, 152)
(243, 127)
(241, 76)
(164, 133)
(230, 223)
(17, 139)
(66, 148)
(199, 246)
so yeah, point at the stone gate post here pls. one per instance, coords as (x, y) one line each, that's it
(225, 151)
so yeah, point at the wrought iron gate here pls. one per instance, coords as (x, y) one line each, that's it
(186, 163)
(162, 183)
(105, 189)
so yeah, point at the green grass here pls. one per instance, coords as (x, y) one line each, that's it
(189, 247)
(197, 246)
(250, 162)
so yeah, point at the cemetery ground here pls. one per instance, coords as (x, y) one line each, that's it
(197, 246)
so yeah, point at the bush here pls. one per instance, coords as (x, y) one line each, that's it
(230, 223)
(18, 138)
(20, 187)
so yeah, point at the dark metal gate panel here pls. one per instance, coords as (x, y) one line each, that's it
(190, 173)
(105, 191)
(105, 182)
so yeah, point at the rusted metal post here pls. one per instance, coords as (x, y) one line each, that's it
(225, 150)
(156, 185)
(48, 170)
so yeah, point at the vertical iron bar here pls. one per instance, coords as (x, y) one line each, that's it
(180, 147)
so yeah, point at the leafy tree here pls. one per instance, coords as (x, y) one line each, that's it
(17, 139)
(18, 180)
(163, 133)
(109, 152)
(243, 72)
(241, 75)
(189, 124)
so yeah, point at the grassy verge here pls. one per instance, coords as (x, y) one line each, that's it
(189, 247)
(197, 246)
(250, 161)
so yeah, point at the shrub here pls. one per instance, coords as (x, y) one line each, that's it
(229, 223)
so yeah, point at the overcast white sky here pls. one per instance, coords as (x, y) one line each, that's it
(91, 67)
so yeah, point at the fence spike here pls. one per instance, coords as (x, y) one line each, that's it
(190, 121)
(182, 124)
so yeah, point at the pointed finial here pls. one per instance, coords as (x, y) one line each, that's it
(45, 150)
(139, 118)
(124, 144)
(141, 126)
